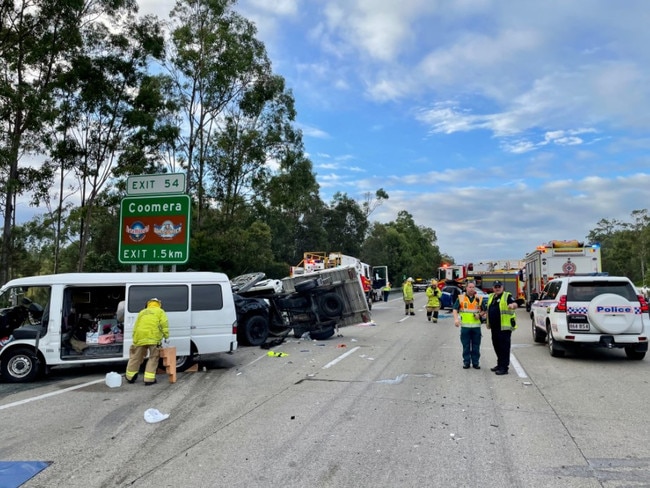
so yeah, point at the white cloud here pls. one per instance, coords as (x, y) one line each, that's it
(309, 131)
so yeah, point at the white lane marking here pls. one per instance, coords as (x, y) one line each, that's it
(47, 395)
(341, 357)
(518, 367)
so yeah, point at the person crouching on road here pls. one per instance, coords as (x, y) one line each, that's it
(433, 302)
(407, 292)
(150, 328)
(466, 310)
(501, 322)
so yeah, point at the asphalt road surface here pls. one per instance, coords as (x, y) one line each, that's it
(385, 405)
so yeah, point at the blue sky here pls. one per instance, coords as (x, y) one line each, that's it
(501, 125)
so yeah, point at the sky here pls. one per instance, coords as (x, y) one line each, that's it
(501, 125)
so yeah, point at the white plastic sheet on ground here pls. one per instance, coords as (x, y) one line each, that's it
(153, 416)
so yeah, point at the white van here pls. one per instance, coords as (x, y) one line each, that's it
(85, 318)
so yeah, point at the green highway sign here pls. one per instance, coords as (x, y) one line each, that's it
(155, 229)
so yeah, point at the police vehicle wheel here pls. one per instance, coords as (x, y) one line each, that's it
(538, 335)
(553, 348)
(632, 353)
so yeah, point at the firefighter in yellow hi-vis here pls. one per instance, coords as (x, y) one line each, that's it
(150, 328)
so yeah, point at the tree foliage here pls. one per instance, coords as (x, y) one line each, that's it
(624, 246)
(406, 248)
(82, 88)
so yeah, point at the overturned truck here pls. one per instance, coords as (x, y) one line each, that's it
(317, 304)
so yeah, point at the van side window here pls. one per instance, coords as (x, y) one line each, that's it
(175, 298)
(207, 297)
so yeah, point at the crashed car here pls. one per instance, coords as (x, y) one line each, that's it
(316, 303)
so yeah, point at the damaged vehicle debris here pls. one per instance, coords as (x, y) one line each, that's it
(318, 304)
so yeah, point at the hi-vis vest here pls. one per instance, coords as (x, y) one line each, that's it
(507, 314)
(468, 309)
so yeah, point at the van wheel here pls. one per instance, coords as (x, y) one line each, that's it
(183, 363)
(331, 305)
(20, 365)
(254, 332)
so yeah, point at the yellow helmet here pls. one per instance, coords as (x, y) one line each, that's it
(154, 300)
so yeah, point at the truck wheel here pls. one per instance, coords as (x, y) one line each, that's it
(306, 286)
(296, 303)
(20, 365)
(331, 305)
(254, 331)
(299, 331)
(322, 334)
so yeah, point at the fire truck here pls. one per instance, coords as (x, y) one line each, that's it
(458, 274)
(511, 279)
(558, 258)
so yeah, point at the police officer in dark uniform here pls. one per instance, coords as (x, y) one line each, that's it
(500, 311)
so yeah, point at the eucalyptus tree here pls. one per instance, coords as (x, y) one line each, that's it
(110, 101)
(214, 58)
(60, 73)
(256, 139)
(386, 246)
(291, 205)
(420, 245)
(624, 245)
(346, 225)
(35, 39)
(640, 228)
(371, 201)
